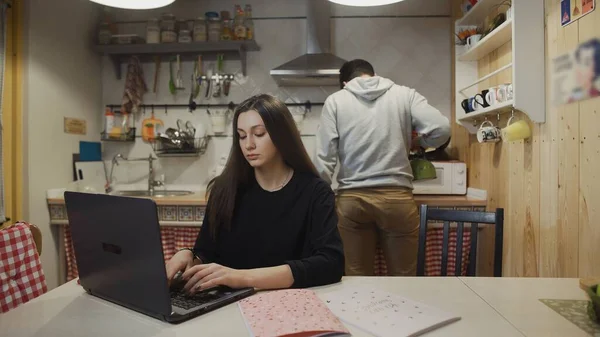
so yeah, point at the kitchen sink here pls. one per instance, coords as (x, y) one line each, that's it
(157, 193)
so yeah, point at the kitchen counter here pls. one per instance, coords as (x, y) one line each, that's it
(198, 199)
(180, 218)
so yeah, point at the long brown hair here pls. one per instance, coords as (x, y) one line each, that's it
(224, 190)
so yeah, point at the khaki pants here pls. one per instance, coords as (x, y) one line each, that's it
(386, 213)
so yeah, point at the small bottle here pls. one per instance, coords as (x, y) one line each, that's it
(109, 120)
(249, 22)
(226, 33)
(239, 29)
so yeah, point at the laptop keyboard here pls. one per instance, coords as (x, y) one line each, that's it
(185, 301)
(181, 299)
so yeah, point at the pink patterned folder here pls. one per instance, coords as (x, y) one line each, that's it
(297, 313)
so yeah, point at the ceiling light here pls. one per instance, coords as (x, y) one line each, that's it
(365, 3)
(135, 4)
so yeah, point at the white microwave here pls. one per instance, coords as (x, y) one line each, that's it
(451, 179)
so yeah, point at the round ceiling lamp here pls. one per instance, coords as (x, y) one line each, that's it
(134, 4)
(365, 3)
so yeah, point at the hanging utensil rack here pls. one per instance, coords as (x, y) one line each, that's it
(193, 105)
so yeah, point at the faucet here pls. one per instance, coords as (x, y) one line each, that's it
(152, 182)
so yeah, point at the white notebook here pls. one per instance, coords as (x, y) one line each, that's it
(385, 314)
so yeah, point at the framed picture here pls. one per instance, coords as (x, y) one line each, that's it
(573, 10)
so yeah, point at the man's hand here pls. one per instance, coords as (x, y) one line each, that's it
(206, 276)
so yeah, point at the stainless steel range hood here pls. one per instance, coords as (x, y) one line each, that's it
(318, 67)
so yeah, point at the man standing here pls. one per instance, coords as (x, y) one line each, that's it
(368, 124)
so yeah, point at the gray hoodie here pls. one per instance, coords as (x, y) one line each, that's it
(368, 125)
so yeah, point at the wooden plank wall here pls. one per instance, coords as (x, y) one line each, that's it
(549, 184)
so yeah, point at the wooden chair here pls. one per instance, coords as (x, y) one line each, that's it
(495, 219)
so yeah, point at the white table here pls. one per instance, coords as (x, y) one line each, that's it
(517, 300)
(485, 306)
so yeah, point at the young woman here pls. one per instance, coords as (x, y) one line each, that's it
(270, 220)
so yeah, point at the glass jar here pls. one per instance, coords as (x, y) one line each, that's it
(200, 30)
(180, 25)
(213, 26)
(153, 31)
(167, 22)
(185, 36)
(168, 36)
(226, 31)
(104, 34)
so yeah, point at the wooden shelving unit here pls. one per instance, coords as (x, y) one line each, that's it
(525, 31)
(488, 44)
(120, 53)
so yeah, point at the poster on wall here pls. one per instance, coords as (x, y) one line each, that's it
(573, 10)
(576, 75)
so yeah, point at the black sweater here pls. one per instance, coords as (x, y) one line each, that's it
(296, 225)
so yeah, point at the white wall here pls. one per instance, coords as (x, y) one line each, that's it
(62, 79)
(411, 51)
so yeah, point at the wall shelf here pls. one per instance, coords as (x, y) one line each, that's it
(488, 76)
(525, 31)
(480, 11)
(119, 53)
(489, 43)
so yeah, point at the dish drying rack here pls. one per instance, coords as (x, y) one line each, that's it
(188, 148)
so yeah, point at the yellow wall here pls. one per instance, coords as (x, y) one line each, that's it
(549, 184)
(12, 116)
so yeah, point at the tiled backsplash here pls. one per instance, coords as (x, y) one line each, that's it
(411, 51)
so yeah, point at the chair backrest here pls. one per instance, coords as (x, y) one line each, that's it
(475, 219)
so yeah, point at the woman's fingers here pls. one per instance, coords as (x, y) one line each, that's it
(199, 272)
(200, 285)
(217, 281)
(172, 269)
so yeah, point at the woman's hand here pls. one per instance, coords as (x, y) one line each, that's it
(206, 276)
(181, 261)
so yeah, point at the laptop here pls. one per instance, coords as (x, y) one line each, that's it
(120, 259)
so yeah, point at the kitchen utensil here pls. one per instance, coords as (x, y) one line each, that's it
(172, 87)
(197, 76)
(515, 131)
(218, 80)
(190, 129)
(226, 85)
(488, 133)
(208, 81)
(191, 100)
(179, 79)
(156, 72)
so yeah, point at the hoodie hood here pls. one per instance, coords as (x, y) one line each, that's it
(369, 88)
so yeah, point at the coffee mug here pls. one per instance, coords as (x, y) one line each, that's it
(501, 93)
(515, 131)
(473, 40)
(480, 101)
(490, 97)
(465, 105)
(488, 133)
(509, 92)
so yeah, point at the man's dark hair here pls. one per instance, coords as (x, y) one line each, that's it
(353, 69)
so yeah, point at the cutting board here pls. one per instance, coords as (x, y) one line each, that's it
(91, 172)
